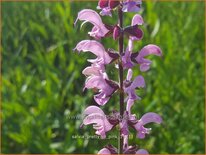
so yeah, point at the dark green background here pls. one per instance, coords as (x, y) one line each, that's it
(42, 80)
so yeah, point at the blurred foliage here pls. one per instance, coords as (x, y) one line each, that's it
(42, 80)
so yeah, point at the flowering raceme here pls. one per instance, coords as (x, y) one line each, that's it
(127, 59)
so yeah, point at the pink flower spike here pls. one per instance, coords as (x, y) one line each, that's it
(96, 48)
(88, 15)
(146, 118)
(99, 120)
(145, 51)
(142, 151)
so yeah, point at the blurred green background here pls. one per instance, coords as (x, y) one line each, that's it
(42, 80)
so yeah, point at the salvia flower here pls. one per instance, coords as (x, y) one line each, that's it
(130, 86)
(107, 6)
(109, 149)
(134, 31)
(95, 69)
(126, 57)
(95, 116)
(87, 15)
(96, 48)
(145, 119)
(137, 20)
(105, 86)
(131, 5)
(145, 51)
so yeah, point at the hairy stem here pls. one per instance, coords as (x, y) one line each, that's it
(121, 94)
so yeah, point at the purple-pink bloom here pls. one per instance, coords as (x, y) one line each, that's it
(130, 86)
(145, 51)
(142, 151)
(87, 15)
(106, 12)
(104, 151)
(95, 116)
(109, 149)
(96, 48)
(130, 103)
(126, 59)
(107, 6)
(136, 21)
(145, 119)
(105, 86)
(116, 32)
(95, 69)
(131, 5)
(134, 32)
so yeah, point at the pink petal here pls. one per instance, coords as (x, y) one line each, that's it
(104, 151)
(131, 6)
(92, 109)
(106, 12)
(151, 117)
(130, 45)
(137, 20)
(138, 82)
(145, 51)
(101, 124)
(89, 15)
(93, 70)
(130, 103)
(126, 59)
(129, 74)
(90, 71)
(99, 83)
(148, 50)
(116, 32)
(144, 67)
(142, 151)
(101, 98)
(94, 47)
(94, 118)
(93, 17)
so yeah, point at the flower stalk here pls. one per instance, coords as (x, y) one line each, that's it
(97, 78)
(121, 76)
